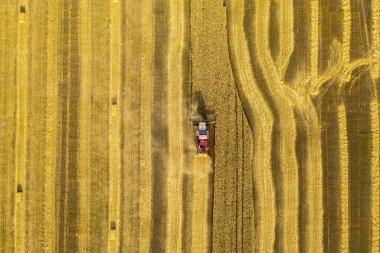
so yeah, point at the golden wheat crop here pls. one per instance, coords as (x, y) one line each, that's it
(97, 153)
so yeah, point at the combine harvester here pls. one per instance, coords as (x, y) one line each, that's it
(202, 133)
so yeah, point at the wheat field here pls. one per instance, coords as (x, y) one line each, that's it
(97, 152)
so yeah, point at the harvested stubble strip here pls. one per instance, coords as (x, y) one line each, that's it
(343, 131)
(37, 207)
(84, 124)
(199, 222)
(51, 127)
(257, 111)
(8, 100)
(21, 127)
(175, 131)
(314, 41)
(288, 196)
(285, 17)
(145, 121)
(114, 128)
(375, 192)
(130, 106)
(375, 221)
(99, 130)
(343, 159)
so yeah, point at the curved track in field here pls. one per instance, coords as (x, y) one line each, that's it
(260, 117)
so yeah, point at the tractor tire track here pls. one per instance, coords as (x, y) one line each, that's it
(261, 123)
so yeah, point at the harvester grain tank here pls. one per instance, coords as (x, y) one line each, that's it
(202, 132)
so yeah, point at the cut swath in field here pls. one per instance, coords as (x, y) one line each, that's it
(175, 130)
(260, 119)
(113, 243)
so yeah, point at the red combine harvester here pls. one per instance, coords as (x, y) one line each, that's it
(202, 133)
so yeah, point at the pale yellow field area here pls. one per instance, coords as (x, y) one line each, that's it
(97, 150)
